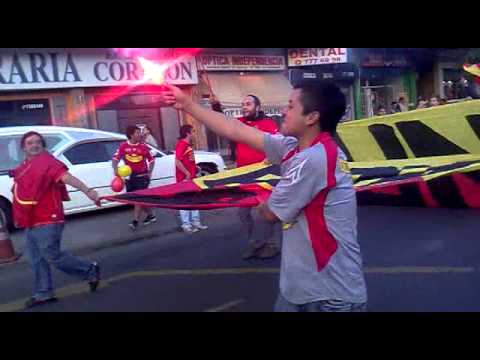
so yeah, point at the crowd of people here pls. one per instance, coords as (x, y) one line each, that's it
(461, 90)
(402, 106)
(314, 202)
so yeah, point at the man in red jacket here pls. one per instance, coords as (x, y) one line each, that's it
(263, 242)
(38, 191)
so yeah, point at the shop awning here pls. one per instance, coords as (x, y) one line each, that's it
(273, 89)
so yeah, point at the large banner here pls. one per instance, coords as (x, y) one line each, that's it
(440, 131)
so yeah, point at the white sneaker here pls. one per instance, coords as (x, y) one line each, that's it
(189, 229)
(200, 226)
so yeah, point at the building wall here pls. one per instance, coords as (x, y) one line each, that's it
(67, 107)
(73, 103)
(232, 84)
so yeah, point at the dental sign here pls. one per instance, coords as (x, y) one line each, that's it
(51, 70)
(316, 56)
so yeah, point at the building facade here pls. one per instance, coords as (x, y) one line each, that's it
(89, 88)
(106, 89)
(334, 64)
(229, 74)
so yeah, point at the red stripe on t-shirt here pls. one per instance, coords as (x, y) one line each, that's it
(290, 155)
(324, 245)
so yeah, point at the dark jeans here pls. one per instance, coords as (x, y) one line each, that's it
(283, 305)
(43, 249)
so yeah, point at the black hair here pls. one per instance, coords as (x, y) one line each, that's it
(256, 100)
(131, 130)
(326, 98)
(185, 130)
(29, 134)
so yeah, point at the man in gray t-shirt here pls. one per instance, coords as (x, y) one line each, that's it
(321, 267)
(316, 202)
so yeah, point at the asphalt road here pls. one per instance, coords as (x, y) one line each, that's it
(415, 260)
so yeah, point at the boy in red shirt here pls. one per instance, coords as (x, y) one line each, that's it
(38, 191)
(186, 170)
(136, 155)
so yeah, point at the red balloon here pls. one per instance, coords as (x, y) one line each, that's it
(117, 184)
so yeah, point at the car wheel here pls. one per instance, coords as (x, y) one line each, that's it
(6, 213)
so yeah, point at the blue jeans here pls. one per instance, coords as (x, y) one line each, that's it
(43, 249)
(190, 217)
(283, 305)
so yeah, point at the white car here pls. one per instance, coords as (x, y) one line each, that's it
(88, 154)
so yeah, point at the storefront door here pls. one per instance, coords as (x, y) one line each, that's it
(142, 117)
(375, 96)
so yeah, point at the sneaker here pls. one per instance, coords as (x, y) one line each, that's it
(133, 225)
(268, 252)
(32, 302)
(200, 226)
(149, 219)
(95, 280)
(189, 229)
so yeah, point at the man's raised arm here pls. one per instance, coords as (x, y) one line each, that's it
(217, 122)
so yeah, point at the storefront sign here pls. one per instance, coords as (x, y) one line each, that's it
(316, 56)
(50, 70)
(240, 63)
(385, 60)
(344, 72)
(30, 107)
(236, 112)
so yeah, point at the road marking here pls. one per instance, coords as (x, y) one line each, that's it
(80, 288)
(226, 306)
(418, 270)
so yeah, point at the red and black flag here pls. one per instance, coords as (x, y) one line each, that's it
(241, 187)
(428, 158)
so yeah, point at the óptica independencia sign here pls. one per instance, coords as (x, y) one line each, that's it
(213, 62)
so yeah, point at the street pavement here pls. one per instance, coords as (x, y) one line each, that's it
(415, 260)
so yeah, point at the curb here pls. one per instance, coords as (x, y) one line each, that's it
(112, 243)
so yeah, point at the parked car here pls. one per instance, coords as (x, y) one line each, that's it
(88, 154)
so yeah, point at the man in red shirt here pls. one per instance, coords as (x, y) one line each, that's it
(38, 191)
(136, 155)
(186, 170)
(263, 242)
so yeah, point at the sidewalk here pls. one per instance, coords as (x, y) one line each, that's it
(89, 232)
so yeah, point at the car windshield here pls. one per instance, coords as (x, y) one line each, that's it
(11, 154)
